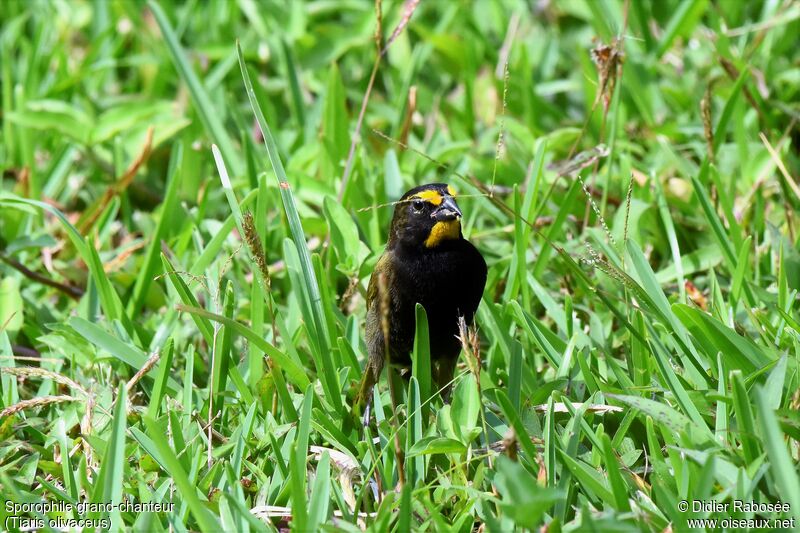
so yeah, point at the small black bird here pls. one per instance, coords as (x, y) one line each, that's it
(427, 261)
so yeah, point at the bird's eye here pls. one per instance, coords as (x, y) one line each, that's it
(418, 205)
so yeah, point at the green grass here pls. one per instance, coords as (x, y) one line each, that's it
(182, 309)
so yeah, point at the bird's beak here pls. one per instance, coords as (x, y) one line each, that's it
(447, 210)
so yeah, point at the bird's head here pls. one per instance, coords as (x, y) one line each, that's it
(426, 216)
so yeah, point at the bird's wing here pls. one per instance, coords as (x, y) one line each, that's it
(382, 266)
(479, 276)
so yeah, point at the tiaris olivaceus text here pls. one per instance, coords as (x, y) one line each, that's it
(427, 261)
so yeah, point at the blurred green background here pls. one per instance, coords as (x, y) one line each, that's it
(639, 329)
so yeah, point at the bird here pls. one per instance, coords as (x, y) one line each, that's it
(428, 261)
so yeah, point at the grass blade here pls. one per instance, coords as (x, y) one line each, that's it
(421, 357)
(205, 109)
(320, 329)
(294, 372)
(782, 466)
(113, 466)
(188, 490)
(297, 465)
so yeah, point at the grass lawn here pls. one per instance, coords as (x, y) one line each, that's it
(188, 226)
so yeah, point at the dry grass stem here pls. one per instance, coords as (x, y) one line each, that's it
(148, 365)
(32, 371)
(34, 403)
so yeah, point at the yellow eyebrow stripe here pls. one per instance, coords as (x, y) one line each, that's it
(451, 191)
(431, 196)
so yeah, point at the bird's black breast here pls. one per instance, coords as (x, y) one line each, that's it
(448, 281)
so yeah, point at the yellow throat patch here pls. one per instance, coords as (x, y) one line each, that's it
(442, 231)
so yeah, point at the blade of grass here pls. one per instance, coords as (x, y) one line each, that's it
(212, 249)
(659, 300)
(109, 299)
(297, 465)
(669, 226)
(294, 372)
(96, 335)
(150, 265)
(162, 375)
(588, 478)
(294, 86)
(415, 466)
(678, 390)
(745, 421)
(739, 276)
(421, 357)
(666, 416)
(550, 442)
(514, 420)
(716, 226)
(783, 468)
(70, 484)
(721, 418)
(113, 466)
(319, 326)
(320, 494)
(682, 21)
(188, 490)
(205, 109)
(618, 487)
(188, 299)
(221, 354)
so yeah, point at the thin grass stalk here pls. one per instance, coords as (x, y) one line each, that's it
(470, 343)
(41, 401)
(409, 8)
(383, 300)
